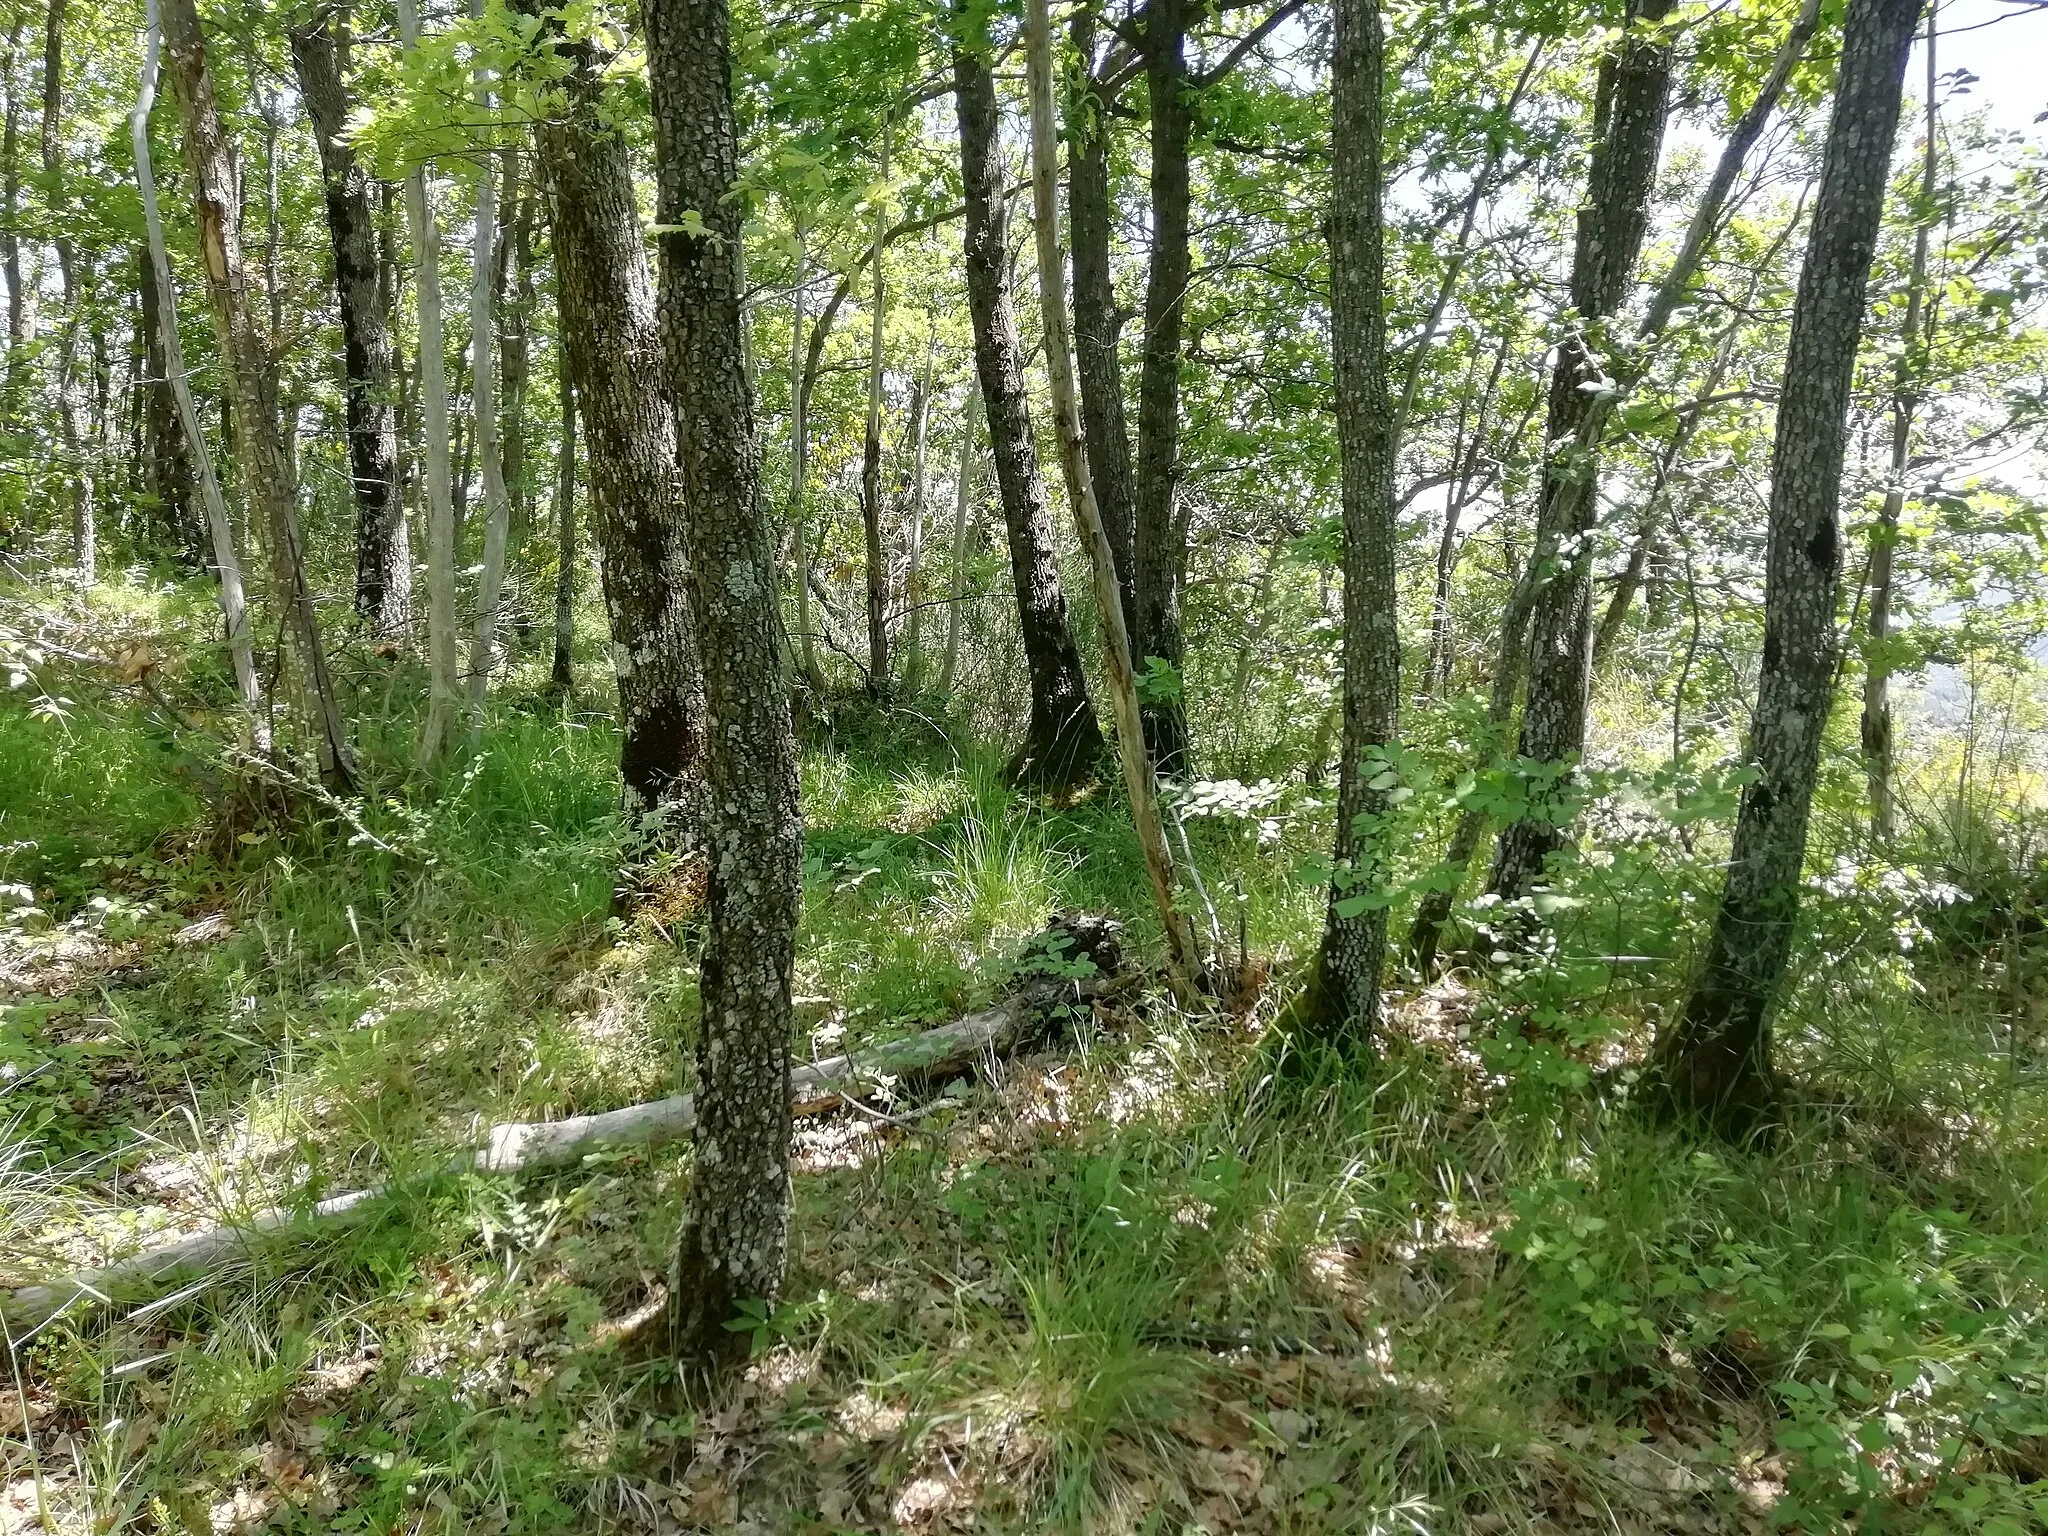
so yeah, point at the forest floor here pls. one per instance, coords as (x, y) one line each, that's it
(1130, 1278)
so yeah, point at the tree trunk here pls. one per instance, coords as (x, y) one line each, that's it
(562, 673)
(1909, 383)
(166, 457)
(1063, 743)
(1716, 1064)
(613, 352)
(83, 488)
(734, 1244)
(1345, 1003)
(963, 498)
(1185, 966)
(1158, 534)
(483, 399)
(10, 226)
(871, 453)
(1635, 84)
(799, 478)
(251, 375)
(444, 682)
(228, 566)
(1097, 323)
(516, 368)
(913, 564)
(1436, 675)
(320, 49)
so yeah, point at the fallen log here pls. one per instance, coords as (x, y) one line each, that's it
(524, 1148)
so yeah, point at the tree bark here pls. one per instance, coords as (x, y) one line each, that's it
(1716, 1064)
(444, 684)
(320, 50)
(734, 1244)
(10, 225)
(913, 562)
(1185, 966)
(799, 476)
(1909, 383)
(227, 564)
(1346, 1000)
(251, 375)
(613, 353)
(83, 487)
(1159, 538)
(871, 451)
(963, 498)
(1634, 87)
(166, 470)
(1063, 743)
(562, 671)
(483, 399)
(1097, 323)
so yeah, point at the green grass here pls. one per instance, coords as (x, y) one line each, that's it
(1136, 1281)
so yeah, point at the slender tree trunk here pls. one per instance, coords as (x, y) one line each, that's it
(444, 684)
(1635, 84)
(963, 498)
(320, 50)
(10, 224)
(483, 397)
(1063, 743)
(871, 452)
(233, 605)
(1097, 322)
(166, 469)
(83, 487)
(1185, 965)
(562, 674)
(1437, 672)
(1159, 535)
(251, 375)
(1716, 1063)
(516, 368)
(913, 568)
(800, 480)
(1909, 384)
(612, 348)
(1346, 1001)
(734, 1243)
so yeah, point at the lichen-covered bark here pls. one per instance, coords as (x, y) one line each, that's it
(1345, 1003)
(251, 372)
(1158, 533)
(734, 1243)
(1716, 1064)
(320, 49)
(615, 362)
(1633, 93)
(1097, 323)
(1063, 742)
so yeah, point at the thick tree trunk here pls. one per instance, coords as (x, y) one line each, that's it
(83, 487)
(251, 375)
(1097, 322)
(320, 48)
(1063, 744)
(1635, 84)
(734, 1243)
(613, 352)
(871, 451)
(166, 469)
(963, 499)
(562, 672)
(1716, 1063)
(1185, 965)
(1345, 1003)
(1908, 386)
(227, 564)
(1158, 532)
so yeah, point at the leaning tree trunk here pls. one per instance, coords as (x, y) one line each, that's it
(1096, 321)
(1063, 743)
(1716, 1064)
(1909, 382)
(83, 488)
(1185, 965)
(734, 1243)
(615, 366)
(871, 451)
(233, 605)
(1158, 533)
(251, 373)
(320, 48)
(1634, 87)
(1345, 1003)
